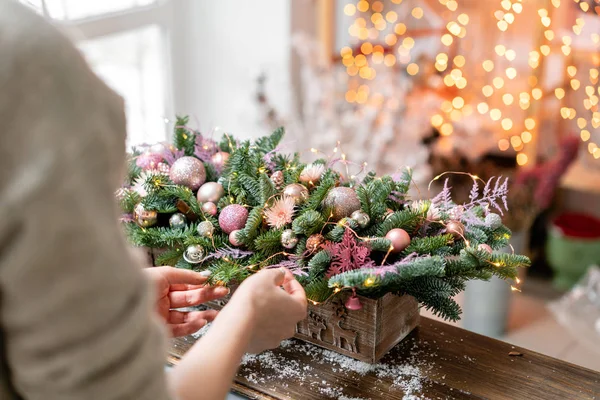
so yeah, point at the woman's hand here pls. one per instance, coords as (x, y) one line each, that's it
(177, 288)
(273, 313)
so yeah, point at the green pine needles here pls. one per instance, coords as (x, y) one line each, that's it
(334, 232)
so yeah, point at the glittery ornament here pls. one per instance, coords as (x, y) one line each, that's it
(148, 161)
(342, 201)
(485, 247)
(210, 191)
(314, 242)
(177, 221)
(209, 208)
(277, 179)
(456, 229)
(233, 217)
(361, 218)
(205, 229)
(493, 220)
(388, 213)
(188, 171)
(400, 239)
(163, 168)
(144, 218)
(219, 159)
(297, 192)
(312, 173)
(289, 240)
(233, 239)
(193, 254)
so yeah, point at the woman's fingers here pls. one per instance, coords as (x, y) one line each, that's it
(186, 323)
(179, 276)
(195, 297)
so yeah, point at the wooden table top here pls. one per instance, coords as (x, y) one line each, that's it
(437, 361)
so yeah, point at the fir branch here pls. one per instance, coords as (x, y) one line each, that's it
(406, 219)
(429, 244)
(269, 242)
(308, 222)
(318, 290)
(169, 257)
(184, 138)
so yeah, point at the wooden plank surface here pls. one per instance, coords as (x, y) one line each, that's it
(435, 361)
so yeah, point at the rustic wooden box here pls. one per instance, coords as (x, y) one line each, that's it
(366, 334)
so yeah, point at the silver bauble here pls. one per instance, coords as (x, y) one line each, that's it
(205, 229)
(342, 201)
(297, 192)
(188, 171)
(493, 220)
(289, 240)
(177, 221)
(210, 192)
(193, 254)
(144, 218)
(361, 218)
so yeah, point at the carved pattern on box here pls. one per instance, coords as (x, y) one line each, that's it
(366, 334)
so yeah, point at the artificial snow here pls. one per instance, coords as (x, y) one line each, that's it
(407, 375)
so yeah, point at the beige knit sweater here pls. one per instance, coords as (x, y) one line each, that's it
(75, 310)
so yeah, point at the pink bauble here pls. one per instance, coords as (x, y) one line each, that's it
(485, 247)
(233, 238)
(220, 158)
(233, 217)
(209, 208)
(148, 161)
(210, 192)
(188, 171)
(400, 239)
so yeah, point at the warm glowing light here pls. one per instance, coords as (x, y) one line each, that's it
(507, 124)
(437, 120)
(377, 6)
(516, 141)
(482, 108)
(517, 7)
(363, 6)
(522, 158)
(458, 102)
(498, 82)
(463, 19)
(495, 114)
(559, 93)
(408, 43)
(459, 61)
(389, 60)
(452, 5)
(585, 135)
(526, 136)
(417, 12)
(487, 90)
(572, 70)
(360, 60)
(500, 50)
(446, 106)
(530, 123)
(456, 115)
(508, 99)
(446, 129)
(447, 39)
(502, 25)
(377, 57)
(510, 55)
(412, 69)
(532, 81)
(503, 144)
(349, 9)
(350, 96)
(488, 65)
(461, 83)
(536, 93)
(511, 73)
(545, 49)
(575, 84)
(581, 123)
(391, 16)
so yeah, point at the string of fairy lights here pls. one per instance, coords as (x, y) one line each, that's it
(386, 33)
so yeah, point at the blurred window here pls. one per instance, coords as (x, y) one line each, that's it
(125, 42)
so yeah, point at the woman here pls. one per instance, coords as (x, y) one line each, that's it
(76, 318)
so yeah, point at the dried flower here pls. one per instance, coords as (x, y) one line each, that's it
(280, 213)
(312, 173)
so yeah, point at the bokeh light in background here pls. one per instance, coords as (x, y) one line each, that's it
(506, 85)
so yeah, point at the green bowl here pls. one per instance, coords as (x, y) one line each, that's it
(572, 247)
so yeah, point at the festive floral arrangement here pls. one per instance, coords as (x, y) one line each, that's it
(238, 207)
